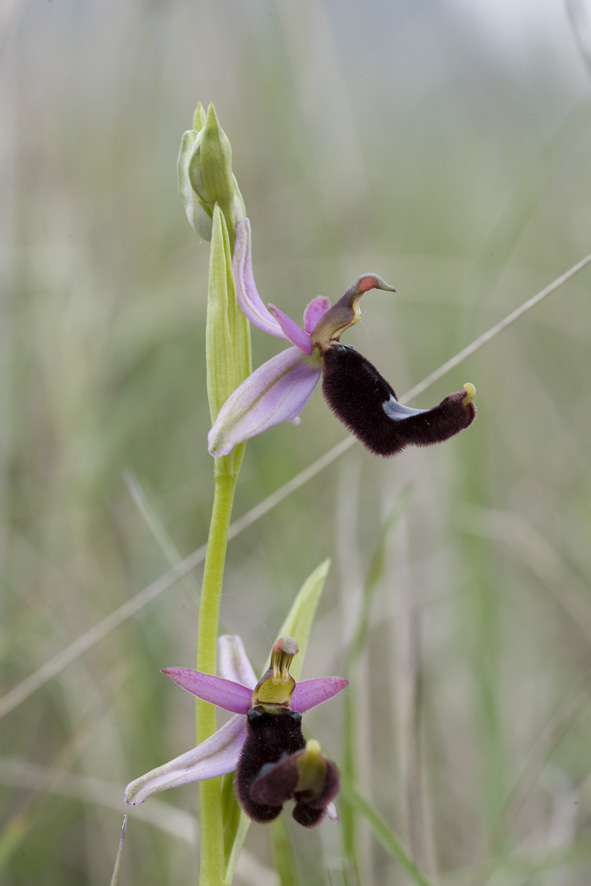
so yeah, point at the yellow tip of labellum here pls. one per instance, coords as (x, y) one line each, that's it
(313, 748)
(470, 393)
(312, 766)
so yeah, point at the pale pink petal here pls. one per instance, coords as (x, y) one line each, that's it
(315, 310)
(233, 663)
(218, 755)
(224, 693)
(331, 812)
(277, 391)
(292, 331)
(310, 693)
(247, 295)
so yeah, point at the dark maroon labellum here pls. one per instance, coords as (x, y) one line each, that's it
(364, 401)
(269, 737)
(268, 771)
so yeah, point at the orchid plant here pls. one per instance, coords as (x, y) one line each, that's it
(263, 743)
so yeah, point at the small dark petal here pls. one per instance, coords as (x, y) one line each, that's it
(330, 788)
(269, 736)
(307, 816)
(357, 393)
(310, 808)
(276, 783)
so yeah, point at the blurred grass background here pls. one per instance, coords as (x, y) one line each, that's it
(442, 145)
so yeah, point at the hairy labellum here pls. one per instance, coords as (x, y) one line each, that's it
(364, 401)
(269, 736)
(277, 765)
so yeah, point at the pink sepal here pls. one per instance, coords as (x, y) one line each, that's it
(223, 693)
(310, 693)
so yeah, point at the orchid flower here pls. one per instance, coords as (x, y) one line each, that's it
(355, 391)
(263, 742)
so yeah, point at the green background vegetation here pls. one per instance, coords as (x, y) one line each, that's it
(400, 138)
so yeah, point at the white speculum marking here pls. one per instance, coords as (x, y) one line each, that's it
(397, 411)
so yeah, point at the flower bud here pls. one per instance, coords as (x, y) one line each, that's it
(205, 175)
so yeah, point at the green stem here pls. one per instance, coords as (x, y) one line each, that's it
(212, 829)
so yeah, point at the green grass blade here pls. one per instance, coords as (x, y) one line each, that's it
(347, 812)
(283, 857)
(115, 877)
(391, 843)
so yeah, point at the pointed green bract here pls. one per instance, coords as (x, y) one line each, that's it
(199, 117)
(227, 333)
(220, 349)
(300, 619)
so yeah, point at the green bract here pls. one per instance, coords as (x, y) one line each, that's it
(228, 333)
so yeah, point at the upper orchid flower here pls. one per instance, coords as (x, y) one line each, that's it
(355, 391)
(263, 742)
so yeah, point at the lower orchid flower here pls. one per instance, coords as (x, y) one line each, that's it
(263, 742)
(355, 391)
